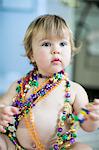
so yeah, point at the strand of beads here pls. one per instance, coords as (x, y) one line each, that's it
(53, 83)
(65, 138)
(26, 105)
(83, 114)
(32, 131)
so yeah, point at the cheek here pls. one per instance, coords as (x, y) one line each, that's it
(67, 56)
(67, 53)
(41, 57)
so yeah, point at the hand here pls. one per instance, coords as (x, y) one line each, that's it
(6, 116)
(94, 110)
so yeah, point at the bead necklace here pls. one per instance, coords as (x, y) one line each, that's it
(30, 125)
(64, 139)
(30, 80)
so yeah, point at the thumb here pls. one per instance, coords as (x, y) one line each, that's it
(14, 110)
(10, 110)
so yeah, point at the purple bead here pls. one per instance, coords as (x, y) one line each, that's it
(16, 123)
(42, 92)
(60, 129)
(47, 87)
(67, 95)
(34, 96)
(72, 140)
(56, 147)
(19, 81)
(29, 99)
(67, 133)
(64, 112)
(18, 103)
(14, 142)
(33, 105)
(81, 120)
(35, 77)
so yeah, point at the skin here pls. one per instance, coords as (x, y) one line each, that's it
(55, 54)
(45, 49)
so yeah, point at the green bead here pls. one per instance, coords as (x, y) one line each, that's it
(31, 83)
(21, 99)
(63, 118)
(27, 111)
(35, 83)
(67, 100)
(68, 85)
(58, 76)
(72, 116)
(18, 89)
(64, 137)
(11, 138)
(63, 148)
(51, 148)
(74, 135)
(76, 118)
(29, 104)
(58, 134)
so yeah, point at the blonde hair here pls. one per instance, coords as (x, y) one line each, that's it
(50, 24)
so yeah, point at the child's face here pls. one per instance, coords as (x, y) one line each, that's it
(51, 53)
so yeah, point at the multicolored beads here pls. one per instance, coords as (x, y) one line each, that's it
(83, 114)
(64, 138)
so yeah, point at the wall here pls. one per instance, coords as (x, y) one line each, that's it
(14, 19)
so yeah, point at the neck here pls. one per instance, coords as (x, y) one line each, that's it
(49, 76)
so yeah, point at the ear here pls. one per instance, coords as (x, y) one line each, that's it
(31, 56)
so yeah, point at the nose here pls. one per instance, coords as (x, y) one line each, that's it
(55, 51)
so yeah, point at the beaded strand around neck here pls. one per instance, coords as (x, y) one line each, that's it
(64, 139)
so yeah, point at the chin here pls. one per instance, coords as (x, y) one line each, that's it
(55, 70)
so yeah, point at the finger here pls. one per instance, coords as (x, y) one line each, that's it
(4, 123)
(15, 110)
(2, 129)
(92, 106)
(96, 101)
(5, 117)
(10, 110)
(94, 116)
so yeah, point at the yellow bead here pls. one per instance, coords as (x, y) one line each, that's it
(9, 135)
(83, 112)
(60, 142)
(72, 130)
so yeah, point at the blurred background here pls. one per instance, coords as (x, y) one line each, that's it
(83, 18)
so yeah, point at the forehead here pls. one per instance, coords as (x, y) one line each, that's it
(62, 33)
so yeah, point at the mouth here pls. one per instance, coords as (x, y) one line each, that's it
(56, 61)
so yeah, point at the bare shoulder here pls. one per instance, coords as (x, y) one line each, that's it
(79, 89)
(81, 97)
(8, 96)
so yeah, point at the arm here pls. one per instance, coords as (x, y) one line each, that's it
(3, 145)
(81, 101)
(7, 97)
(7, 111)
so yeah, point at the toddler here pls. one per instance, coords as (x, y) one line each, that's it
(43, 109)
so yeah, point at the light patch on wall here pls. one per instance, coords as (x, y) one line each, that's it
(93, 40)
(17, 5)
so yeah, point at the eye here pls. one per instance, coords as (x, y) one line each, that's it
(63, 44)
(46, 44)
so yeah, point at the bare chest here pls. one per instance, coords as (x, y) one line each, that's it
(44, 117)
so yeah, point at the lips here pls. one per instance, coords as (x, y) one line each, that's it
(56, 60)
